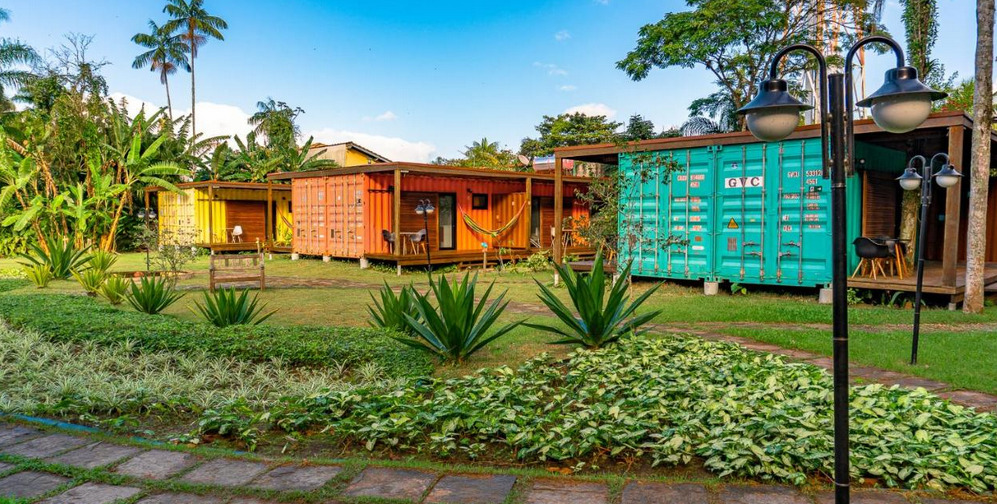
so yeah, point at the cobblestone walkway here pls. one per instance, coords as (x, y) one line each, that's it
(55, 468)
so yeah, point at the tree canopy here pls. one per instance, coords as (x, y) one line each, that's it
(565, 130)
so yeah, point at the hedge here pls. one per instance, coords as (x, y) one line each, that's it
(80, 319)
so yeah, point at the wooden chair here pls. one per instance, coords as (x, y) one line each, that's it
(389, 237)
(237, 268)
(873, 254)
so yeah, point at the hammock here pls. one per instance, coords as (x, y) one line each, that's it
(494, 233)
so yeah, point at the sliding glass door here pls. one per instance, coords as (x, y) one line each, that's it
(448, 221)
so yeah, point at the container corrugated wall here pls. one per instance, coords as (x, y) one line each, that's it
(753, 214)
(176, 214)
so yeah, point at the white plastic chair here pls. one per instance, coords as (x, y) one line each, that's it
(237, 234)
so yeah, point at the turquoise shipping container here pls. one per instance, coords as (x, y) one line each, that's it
(756, 213)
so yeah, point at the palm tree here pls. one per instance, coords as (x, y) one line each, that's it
(195, 26)
(166, 53)
(483, 153)
(13, 53)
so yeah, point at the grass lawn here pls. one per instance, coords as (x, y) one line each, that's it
(957, 348)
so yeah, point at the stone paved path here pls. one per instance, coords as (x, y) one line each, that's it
(193, 479)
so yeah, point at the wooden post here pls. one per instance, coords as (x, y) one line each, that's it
(211, 215)
(397, 213)
(953, 209)
(268, 222)
(529, 211)
(558, 207)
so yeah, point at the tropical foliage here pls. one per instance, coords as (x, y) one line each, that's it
(60, 257)
(602, 318)
(224, 308)
(458, 324)
(114, 289)
(389, 312)
(566, 130)
(152, 295)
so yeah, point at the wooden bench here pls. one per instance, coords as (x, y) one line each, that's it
(237, 268)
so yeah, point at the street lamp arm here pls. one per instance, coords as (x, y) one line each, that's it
(943, 155)
(850, 93)
(824, 112)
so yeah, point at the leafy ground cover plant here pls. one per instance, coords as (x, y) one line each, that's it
(223, 308)
(389, 312)
(62, 257)
(601, 319)
(114, 289)
(152, 295)
(457, 325)
(667, 401)
(79, 319)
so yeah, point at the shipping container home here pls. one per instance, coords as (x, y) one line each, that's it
(369, 212)
(225, 216)
(728, 208)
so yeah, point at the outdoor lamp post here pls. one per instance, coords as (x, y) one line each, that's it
(946, 177)
(425, 209)
(146, 217)
(900, 105)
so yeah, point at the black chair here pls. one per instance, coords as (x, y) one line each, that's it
(871, 252)
(390, 238)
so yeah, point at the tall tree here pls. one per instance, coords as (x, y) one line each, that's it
(195, 26)
(569, 129)
(14, 55)
(983, 117)
(166, 53)
(639, 128)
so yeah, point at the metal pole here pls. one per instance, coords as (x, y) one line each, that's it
(925, 201)
(839, 251)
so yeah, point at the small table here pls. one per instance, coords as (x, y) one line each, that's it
(407, 238)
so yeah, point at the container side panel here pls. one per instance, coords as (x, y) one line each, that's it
(740, 248)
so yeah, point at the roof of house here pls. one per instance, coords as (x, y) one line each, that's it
(355, 146)
(222, 184)
(608, 152)
(426, 169)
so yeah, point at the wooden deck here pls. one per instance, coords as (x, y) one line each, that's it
(471, 258)
(932, 280)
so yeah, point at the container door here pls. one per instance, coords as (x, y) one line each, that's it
(741, 214)
(803, 207)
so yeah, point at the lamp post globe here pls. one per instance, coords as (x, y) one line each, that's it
(774, 113)
(948, 176)
(903, 102)
(910, 180)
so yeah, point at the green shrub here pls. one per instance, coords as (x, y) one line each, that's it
(389, 312)
(39, 274)
(601, 320)
(114, 289)
(91, 279)
(62, 257)
(669, 401)
(102, 260)
(223, 308)
(81, 319)
(457, 326)
(9, 284)
(152, 295)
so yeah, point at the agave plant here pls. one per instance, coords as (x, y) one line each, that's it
(389, 312)
(102, 260)
(458, 327)
(152, 295)
(224, 308)
(91, 279)
(39, 274)
(601, 320)
(61, 258)
(114, 289)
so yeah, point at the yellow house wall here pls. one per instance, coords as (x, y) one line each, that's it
(355, 158)
(186, 214)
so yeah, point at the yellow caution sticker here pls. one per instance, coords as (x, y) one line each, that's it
(732, 224)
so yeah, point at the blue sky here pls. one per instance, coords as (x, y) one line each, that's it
(416, 79)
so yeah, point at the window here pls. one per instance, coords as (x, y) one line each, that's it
(479, 201)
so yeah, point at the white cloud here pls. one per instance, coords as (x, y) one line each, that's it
(593, 109)
(213, 119)
(386, 116)
(551, 68)
(396, 149)
(562, 35)
(568, 88)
